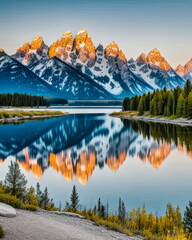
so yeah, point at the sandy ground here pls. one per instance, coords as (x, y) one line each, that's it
(47, 226)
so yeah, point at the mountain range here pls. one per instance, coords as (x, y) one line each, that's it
(73, 68)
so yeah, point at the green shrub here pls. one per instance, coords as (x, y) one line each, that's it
(15, 202)
(29, 207)
(10, 200)
(2, 232)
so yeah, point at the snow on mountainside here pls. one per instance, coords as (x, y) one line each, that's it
(156, 71)
(188, 76)
(68, 80)
(108, 68)
(14, 77)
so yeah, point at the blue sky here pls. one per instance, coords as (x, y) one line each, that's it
(136, 25)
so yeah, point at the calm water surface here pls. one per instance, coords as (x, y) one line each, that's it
(104, 157)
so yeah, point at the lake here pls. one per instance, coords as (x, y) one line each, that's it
(143, 163)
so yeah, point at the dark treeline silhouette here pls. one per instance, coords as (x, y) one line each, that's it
(22, 100)
(177, 102)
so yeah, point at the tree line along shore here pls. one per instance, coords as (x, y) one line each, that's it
(13, 106)
(135, 222)
(170, 104)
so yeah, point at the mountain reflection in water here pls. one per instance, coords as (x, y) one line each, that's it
(75, 145)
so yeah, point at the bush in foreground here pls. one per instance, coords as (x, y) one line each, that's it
(10, 200)
(2, 231)
(15, 202)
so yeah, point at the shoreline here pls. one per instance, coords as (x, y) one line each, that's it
(27, 115)
(15, 119)
(178, 121)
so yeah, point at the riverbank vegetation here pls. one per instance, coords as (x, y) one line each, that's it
(135, 222)
(6, 114)
(175, 103)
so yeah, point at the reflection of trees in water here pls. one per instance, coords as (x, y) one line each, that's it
(181, 136)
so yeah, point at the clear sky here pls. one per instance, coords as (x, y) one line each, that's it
(136, 25)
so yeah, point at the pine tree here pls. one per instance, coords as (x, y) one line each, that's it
(74, 198)
(99, 206)
(160, 104)
(102, 212)
(45, 201)
(189, 106)
(15, 181)
(180, 104)
(188, 218)
(140, 107)
(67, 206)
(39, 195)
(30, 197)
(170, 104)
(187, 88)
(123, 212)
(119, 209)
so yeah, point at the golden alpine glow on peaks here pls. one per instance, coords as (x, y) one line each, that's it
(154, 57)
(84, 46)
(62, 48)
(36, 43)
(113, 50)
(183, 70)
(25, 48)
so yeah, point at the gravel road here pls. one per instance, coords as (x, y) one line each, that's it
(47, 226)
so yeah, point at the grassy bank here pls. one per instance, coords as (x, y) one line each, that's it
(125, 113)
(21, 114)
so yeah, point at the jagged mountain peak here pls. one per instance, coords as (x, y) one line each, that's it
(188, 66)
(107, 67)
(184, 70)
(62, 48)
(180, 70)
(84, 46)
(67, 34)
(141, 58)
(154, 57)
(2, 52)
(112, 50)
(37, 43)
(154, 51)
(25, 48)
(82, 31)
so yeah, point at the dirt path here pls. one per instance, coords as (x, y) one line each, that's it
(46, 226)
